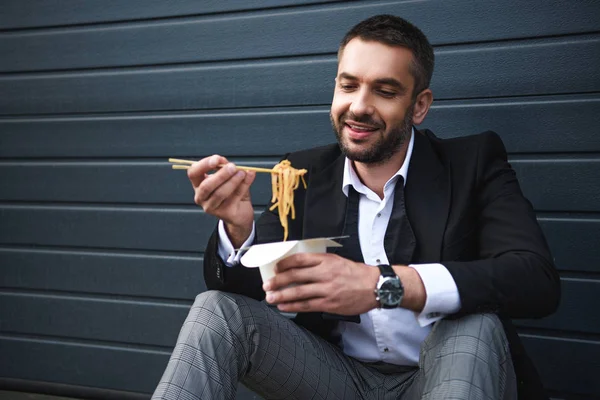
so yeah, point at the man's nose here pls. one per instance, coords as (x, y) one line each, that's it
(361, 104)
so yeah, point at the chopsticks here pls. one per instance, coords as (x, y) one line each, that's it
(177, 165)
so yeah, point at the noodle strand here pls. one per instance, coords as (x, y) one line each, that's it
(284, 180)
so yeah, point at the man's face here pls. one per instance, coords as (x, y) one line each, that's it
(372, 103)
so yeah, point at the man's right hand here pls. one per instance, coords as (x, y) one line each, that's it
(224, 194)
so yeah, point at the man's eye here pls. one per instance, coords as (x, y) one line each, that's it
(347, 87)
(386, 93)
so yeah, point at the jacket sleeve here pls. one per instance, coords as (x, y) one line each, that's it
(513, 273)
(237, 279)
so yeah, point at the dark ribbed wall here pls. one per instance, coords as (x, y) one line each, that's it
(100, 243)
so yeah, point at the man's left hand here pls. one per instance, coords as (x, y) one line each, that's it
(323, 282)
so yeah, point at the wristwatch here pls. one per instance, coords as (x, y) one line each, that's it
(389, 290)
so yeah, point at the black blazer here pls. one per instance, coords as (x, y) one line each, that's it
(467, 212)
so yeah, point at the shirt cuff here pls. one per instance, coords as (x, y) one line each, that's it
(442, 293)
(225, 249)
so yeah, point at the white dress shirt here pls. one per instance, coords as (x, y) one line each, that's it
(390, 335)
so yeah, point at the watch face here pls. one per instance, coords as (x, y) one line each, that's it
(390, 292)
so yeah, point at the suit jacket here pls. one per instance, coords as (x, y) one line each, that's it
(467, 212)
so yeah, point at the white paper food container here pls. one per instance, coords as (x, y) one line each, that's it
(265, 256)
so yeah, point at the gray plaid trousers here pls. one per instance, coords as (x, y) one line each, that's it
(229, 338)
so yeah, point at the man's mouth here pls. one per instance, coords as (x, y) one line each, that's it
(359, 131)
(362, 128)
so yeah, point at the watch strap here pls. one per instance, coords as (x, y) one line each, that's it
(386, 270)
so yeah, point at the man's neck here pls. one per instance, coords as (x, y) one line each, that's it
(375, 176)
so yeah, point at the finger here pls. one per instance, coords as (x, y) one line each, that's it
(224, 188)
(212, 182)
(299, 260)
(197, 171)
(294, 276)
(308, 305)
(297, 293)
(243, 190)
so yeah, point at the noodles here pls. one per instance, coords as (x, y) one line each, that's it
(284, 180)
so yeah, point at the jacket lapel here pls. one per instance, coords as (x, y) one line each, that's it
(427, 201)
(427, 196)
(325, 206)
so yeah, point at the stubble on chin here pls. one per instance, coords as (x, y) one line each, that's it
(384, 147)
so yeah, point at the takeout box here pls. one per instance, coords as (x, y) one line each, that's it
(265, 256)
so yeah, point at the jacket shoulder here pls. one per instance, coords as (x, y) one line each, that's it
(468, 147)
(463, 140)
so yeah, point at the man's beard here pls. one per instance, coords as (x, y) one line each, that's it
(385, 146)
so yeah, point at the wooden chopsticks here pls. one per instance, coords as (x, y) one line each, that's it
(177, 165)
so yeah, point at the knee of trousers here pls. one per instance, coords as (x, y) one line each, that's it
(215, 300)
(476, 333)
(224, 304)
(216, 310)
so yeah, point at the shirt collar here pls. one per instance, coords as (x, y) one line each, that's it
(350, 177)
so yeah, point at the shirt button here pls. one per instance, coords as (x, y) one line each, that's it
(386, 350)
(378, 261)
(378, 215)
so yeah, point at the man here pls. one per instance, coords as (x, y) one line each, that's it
(442, 251)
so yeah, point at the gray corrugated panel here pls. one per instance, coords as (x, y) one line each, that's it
(462, 73)
(551, 184)
(282, 33)
(110, 182)
(526, 125)
(566, 365)
(573, 241)
(513, 69)
(36, 13)
(177, 134)
(128, 322)
(167, 276)
(79, 363)
(123, 227)
(247, 84)
(566, 184)
(540, 124)
(152, 323)
(571, 316)
(174, 229)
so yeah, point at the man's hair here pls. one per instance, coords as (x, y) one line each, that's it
(395, 31)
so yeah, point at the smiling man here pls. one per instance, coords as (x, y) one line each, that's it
(442, 251)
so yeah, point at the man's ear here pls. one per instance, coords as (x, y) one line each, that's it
(422, 104)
